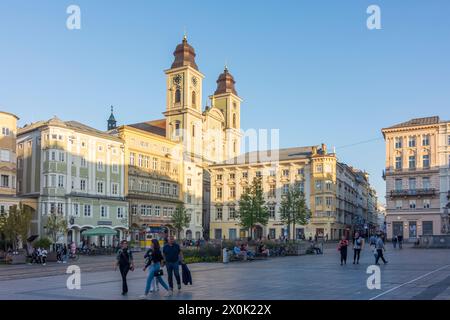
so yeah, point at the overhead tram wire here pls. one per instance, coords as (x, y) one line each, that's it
(358, 143)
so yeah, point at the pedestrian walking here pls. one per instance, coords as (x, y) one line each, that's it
(124, 261)
(400, 241)
(44, 256)
(342, 247)
(148, 261)
(172, 257)
(358, 243)
(380, 248)
(154, 261)
(65, 253)
(394, 241)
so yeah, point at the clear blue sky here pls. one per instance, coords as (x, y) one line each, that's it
(310, 68)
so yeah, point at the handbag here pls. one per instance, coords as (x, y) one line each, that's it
(159, 273)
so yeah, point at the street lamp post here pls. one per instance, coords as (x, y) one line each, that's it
(445, 221)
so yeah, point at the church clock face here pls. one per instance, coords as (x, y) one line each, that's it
(177, 79)
(194, 81)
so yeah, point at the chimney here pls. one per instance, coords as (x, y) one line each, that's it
(324, 148)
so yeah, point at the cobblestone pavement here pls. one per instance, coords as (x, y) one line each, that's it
(410, 274)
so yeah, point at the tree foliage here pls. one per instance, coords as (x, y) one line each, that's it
(180, 219)
(56, 224)
(16, 223)
(293, 208)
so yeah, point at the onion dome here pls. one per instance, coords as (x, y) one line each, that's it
(225, 83)
(184, 55)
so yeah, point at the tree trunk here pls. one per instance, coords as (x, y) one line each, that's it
(294, 231)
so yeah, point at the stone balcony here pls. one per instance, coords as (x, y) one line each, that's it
(429, 192)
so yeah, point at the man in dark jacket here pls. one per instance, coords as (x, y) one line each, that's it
(173, 256)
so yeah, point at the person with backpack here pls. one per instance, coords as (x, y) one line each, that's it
(147, 262)
(44, 256)
(124, 261)
(358, 242)
(154, 261)
(342, 247)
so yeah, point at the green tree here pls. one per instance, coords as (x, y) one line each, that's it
(16, 223)
(180, 219)
(252, 207)
(293, 209)
(56, 224)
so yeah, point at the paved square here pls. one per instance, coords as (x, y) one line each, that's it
(410, 274)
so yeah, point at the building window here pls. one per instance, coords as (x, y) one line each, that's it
(328, 201)
(398, 184)
(301, 186)
(285, 173)
(194, 100)
(234, 120)
(272, 173)
(103, 212)
(427, 228)
(412, 162)
(219, 177)
(272, 191)
(398, 143)
(219, 214)
(232, 213)
(219, 193)
(232, 176)
(232, 192)
(318, 201)
(83, 185)
(426, 161)
(60, 181)
(426, 183)
(328, 185)
(174, 190)
(398, 204)
(188, 198)
(245, 174)
(75, 210)
(155, 163)
(132, 157)
(53, 156)
(100, 165)
(140, 162)
(412, 183)
(272, 212)
(100, 187)
(177, 96)
(412, 142)
(258, 174)
(5, 131)
(319, 168)
(318, 185)
(177, 128)
(189, 182)
(60, 208)
(285, 188)
(426, 140)
(120, 213)
(164, 212)
(412, 204)
(115, 189)
(87, 210)
(83, 162)
(398, 163)
(4, 181)
(115, 168)
(426, 203)
(61, 156)
(134, 209)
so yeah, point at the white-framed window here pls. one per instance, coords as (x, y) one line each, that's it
(60, 208)
(62, 156)
(398, 204)
(53, 180)
(318, 185)
(155, 164)
(4, 181)
(155, 187)
(60, 181)
(398, 142)
(328, 201)
(272, 212)
(426, 203)
(258, 174)
(164, 212)
(232, 176)
(272, 191)
(411, 141)
(157, 210)
(115, 189)
(188, 198)
(301, 171)
(412, 162)
(219, 177)
(285, 172)
(6, 131)
(174, 190)
(232, 192)
(318, 201)
(82, 184)
(398, 162)
(426, 140)
(328, 185)
(219, 213)
(132, 157)
(219, 193)
(412, 204)
(146, 162)
(100, 186)
(87, 210)
(319, 168)
(398, 184)
(426, 161)
(76, 209)
(104, 211)
(140, 160)
(245, 174)
(5, 155)
(53, 155)
(83, 162)
(232, 213)
(426, 183)
(115, 168)
(189, 182)
(100, 166)
(120, 213)
(134, 209)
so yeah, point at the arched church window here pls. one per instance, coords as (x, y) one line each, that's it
(177, 128)
(177, 96)
(234, 146)
(193, 130)
(194, 98)
(234, 120)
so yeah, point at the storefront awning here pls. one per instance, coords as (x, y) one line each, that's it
(99, 232)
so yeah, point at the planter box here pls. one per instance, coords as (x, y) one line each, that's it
(18, 259)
